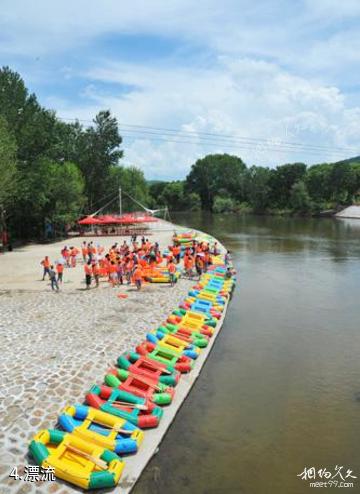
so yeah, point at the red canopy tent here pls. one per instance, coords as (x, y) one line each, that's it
(108, 219)
(90, 220)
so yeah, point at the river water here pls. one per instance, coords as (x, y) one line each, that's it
(281, 388)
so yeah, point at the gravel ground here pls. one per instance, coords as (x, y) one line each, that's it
(54, 346)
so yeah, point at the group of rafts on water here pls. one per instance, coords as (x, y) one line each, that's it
(87, 447)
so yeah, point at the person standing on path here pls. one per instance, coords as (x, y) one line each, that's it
(172, 271)
(96, 273)
(137, 276)
(59, 270)
(46, 265)
(54, 283)
(84, 251)
(88, 273)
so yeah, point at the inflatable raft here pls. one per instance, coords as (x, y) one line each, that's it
(149, 368)
(176, 360)
(85, 452)
(78, 461)
(101, 428)
(171, 342)
(147, 388)
(139, 411)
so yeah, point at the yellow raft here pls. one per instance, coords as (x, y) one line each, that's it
(79, 462)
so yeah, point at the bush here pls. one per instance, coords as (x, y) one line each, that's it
(223, 205)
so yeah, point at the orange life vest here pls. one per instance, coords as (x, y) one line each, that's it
(88, 269)
(59, 268)
(172, 268)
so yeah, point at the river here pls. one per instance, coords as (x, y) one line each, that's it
(281, 388)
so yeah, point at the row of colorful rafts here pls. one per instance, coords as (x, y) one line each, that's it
(88, 446)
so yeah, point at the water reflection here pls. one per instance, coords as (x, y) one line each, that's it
(280, 389)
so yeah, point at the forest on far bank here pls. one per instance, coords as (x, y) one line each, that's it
(52, 172)
(224, 183)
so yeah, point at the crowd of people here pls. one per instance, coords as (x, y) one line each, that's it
(127, 262)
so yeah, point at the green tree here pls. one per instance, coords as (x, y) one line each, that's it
(132, 182)
(281, 181)
(8, 171)
(32, 125)
(258, 188)
(223, 205)
(155, 191)
(214, 173)
(342, 182)
(299, 199)
(65, 195)
(317, 182)
(98, 153)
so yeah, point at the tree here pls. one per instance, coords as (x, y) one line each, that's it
(155, 191)
(299, 199)
(132, 182)
(317, 182)
(31, 125)
(223, 204)
(281, 181)
(342, 182)
(8, 171)
(258, 189)
(65, 198)
(216, 172)
(99, 153)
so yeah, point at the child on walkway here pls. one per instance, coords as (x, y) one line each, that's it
(96, 273)
(88, 273)
(54, 283)
(59, 270)
(46, 265)
(137, 276)
(172, 271)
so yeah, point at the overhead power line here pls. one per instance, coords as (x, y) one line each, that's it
(160, 134)
(247, 146)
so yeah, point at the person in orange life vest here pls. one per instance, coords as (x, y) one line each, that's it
(137, 276)
(66, 256)
(73, 254)
(96, 273)
(89, 251)
(88, 273)
(199, 264)
(120, 271)
(172, 271)
(93, 250)
(84, 251)
(188, 264)
(59, 270)
(46, 265)
(128, 270)
(176, 252)
(113, 273)
(206, 260)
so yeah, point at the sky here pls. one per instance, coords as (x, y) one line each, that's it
(270, 81)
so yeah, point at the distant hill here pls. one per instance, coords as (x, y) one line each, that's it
(356, 159)
(152, 182)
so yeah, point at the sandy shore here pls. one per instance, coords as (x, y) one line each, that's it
(21, 269)
(54, 346)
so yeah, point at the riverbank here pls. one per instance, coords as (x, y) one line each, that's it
(57, 345)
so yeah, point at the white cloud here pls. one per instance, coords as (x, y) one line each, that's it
(275, 70)
(238, 97)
